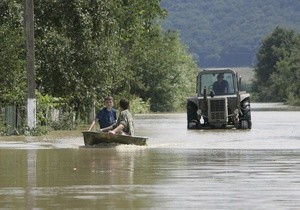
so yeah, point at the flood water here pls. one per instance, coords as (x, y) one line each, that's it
(178, 169)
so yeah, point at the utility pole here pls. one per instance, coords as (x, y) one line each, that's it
(30, 61)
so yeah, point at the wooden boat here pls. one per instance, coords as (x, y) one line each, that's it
(92, 138)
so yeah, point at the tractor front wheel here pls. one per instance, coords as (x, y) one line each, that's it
(192, 122)
(245, 116)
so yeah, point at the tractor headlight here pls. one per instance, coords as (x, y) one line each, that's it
(236, 111)
(199, 112)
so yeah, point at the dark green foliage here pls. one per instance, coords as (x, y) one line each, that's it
(12, 68)
(164, 72)
(87, 49)
(78, 49)
(277, 74)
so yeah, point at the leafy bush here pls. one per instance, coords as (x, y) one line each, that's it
(38, 131)
(65, 122)
(138, 106)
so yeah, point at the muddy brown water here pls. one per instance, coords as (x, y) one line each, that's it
(178, 169)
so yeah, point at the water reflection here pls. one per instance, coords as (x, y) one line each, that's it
(70, 178)
(153, 178)
(31, 179)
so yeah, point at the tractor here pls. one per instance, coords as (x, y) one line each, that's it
(219, 101)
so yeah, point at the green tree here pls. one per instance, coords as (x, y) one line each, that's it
(277, 66)
(86, 49)
(78, 49)
(164, 71)
(91, 47)
(286, 79)
(12, 68)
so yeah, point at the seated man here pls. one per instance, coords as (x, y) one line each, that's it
(107, 115)
(220, 87)
(124, 125)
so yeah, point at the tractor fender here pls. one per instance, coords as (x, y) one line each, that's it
(243, 96)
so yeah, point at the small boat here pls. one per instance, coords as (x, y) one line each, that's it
(92, 138)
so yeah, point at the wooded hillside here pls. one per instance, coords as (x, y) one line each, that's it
(228, 33)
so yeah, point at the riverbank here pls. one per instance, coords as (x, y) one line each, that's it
(273, 107)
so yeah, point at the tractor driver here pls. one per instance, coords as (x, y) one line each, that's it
(220, 87)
